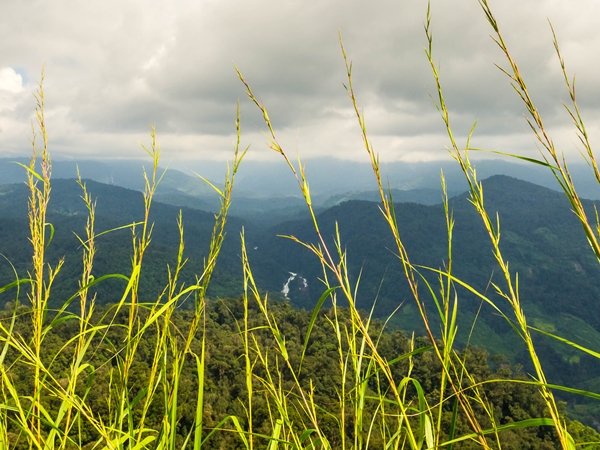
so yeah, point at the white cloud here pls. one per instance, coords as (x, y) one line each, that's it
(10, 81)
(113, 67)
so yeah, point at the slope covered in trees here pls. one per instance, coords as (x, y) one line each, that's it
(116, 207)
(225, 384)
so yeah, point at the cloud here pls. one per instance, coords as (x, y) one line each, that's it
(113, 67)
(13, 123)
(10, 81)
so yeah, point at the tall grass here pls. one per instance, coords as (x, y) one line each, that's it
(377, 405)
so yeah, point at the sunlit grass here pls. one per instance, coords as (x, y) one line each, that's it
(376, 404)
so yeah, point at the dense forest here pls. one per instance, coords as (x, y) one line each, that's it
(225, 390)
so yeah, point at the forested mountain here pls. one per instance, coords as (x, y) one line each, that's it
(116, 207)
(559, 279)
(175, 188)
(267, 193)
(423, 196)
(541, 238)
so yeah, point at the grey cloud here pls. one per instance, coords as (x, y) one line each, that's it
(113, 67)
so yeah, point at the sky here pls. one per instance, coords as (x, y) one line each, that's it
(114, 67)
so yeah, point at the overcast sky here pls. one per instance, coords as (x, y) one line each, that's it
(113, 67)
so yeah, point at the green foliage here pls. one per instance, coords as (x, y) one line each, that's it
(127, 368)
(224, 383)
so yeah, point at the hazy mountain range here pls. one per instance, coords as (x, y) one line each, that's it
(541, 238)
(327, 176)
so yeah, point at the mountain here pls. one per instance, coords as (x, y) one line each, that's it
(541, 238)
(267, 193)
(423, 196)
(175, 188)
(329, 176)
(116, 207)
(126, 173)
(559, 278)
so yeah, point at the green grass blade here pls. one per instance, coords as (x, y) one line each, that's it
(49, 225)
(238, 427)
(568, 342)
(274, 441)
(452, 431)
(15, 284)
(200, 399)
(312, 321)
(30, 170)
(527, 423)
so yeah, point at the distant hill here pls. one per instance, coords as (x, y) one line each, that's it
(266, 193)
(559, 278)
(540, 236)
(422, 196)
(330, 176)
(116, 207)
(176, 188)
(128, 174)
